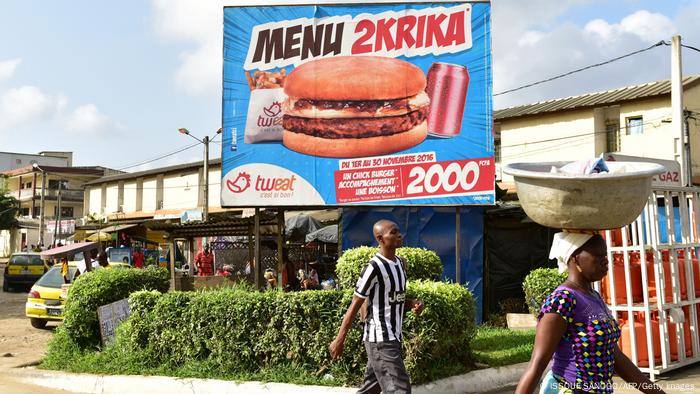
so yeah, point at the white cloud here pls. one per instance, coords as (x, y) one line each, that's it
(201, 24)
(528, 49)
(24, 104)
(8, 67)
(86, 119)
(649, 27)
(200, 71)
(29, 106)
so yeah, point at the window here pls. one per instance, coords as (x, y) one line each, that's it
(36, 212)
(24, 211)
(66, 212)
(635, 125)
(28, 185)
(53, 184)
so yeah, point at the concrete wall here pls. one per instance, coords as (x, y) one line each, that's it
(112, 201)
(180, 191)
(129, 204)
(10, 160)
(149, 195)
(95, 198)
(552, 137)
(580, 134)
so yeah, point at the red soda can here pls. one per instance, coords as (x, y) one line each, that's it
(447, 89)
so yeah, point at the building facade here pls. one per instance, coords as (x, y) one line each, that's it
(165, 191)
(62, 190)
(14, 160)
(630, 121)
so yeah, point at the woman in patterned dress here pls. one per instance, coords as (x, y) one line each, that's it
(576, 330)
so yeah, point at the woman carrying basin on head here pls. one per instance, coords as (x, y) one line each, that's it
(576, 330)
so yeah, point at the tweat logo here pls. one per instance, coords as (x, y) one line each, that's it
(240, 184)
(275, 184)
(262, 184)
(271, 115)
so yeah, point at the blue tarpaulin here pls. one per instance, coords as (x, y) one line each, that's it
(430, 228)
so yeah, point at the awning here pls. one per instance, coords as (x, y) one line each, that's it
(113, 228)
(68, 250)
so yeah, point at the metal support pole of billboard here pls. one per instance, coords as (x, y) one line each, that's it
(458, 251)
(677, 107)
(280, 247)
(256, 259)
(205, 141)
(173, 249)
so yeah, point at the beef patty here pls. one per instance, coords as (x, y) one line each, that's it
(354, 127)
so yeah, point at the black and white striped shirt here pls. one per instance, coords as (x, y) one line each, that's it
(383, 283)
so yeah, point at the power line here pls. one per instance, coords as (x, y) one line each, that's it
(690, 47)
(662, 42)
(160, 157)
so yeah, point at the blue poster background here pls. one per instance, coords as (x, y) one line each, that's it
(474, 141)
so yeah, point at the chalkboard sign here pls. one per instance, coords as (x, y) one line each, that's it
(110, 316)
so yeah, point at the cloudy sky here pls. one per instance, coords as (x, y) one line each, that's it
(113, 81)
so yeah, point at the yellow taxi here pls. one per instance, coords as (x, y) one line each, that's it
(47, 297)
(22, 270)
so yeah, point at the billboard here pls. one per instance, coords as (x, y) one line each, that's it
(350, 104)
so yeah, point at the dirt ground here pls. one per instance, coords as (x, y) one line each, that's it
(20, 343)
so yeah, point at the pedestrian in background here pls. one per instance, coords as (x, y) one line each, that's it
(138, 258)
(204, 262)
(382, 284)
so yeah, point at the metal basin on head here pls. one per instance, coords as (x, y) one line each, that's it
(583, 202)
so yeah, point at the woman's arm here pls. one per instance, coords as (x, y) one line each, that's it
(550, 330)
(626, 369)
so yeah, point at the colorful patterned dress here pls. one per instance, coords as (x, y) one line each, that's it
(584, 361)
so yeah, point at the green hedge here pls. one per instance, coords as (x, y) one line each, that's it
(420, 264)
(539, 284)
(101, 287)
(230, 332)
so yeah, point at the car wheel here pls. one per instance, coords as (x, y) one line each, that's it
(38, 323)
(5, 286)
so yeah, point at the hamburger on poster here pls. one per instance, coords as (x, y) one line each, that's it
(355, 106)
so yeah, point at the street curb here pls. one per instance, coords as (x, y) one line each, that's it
(478, 381)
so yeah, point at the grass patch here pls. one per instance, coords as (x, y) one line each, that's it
(497, 346)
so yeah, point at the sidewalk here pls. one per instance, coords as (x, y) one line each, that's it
(683, 380)
(478, 381)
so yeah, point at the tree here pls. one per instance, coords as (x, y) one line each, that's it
(8, 208)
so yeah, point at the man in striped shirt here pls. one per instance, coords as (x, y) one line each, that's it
(382, 285)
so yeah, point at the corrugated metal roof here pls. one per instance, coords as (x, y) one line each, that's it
(155, 171)
(626, 93)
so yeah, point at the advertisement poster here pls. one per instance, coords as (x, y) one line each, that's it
(357, 104)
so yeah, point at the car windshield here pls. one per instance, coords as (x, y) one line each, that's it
(53, 278)
(26, 259)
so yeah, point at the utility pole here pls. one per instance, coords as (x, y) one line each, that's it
(677, 121)
(205, 210)
(41, 205)
(205, 141)
(57, 225)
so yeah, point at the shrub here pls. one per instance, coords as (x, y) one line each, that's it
(539, 284)
(420, 264)
(232, 332)
(101, 287)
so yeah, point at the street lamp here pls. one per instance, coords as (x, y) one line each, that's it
(41, 206)
(205, 142)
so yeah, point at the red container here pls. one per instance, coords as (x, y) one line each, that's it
(447, 89)
(618, 266)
